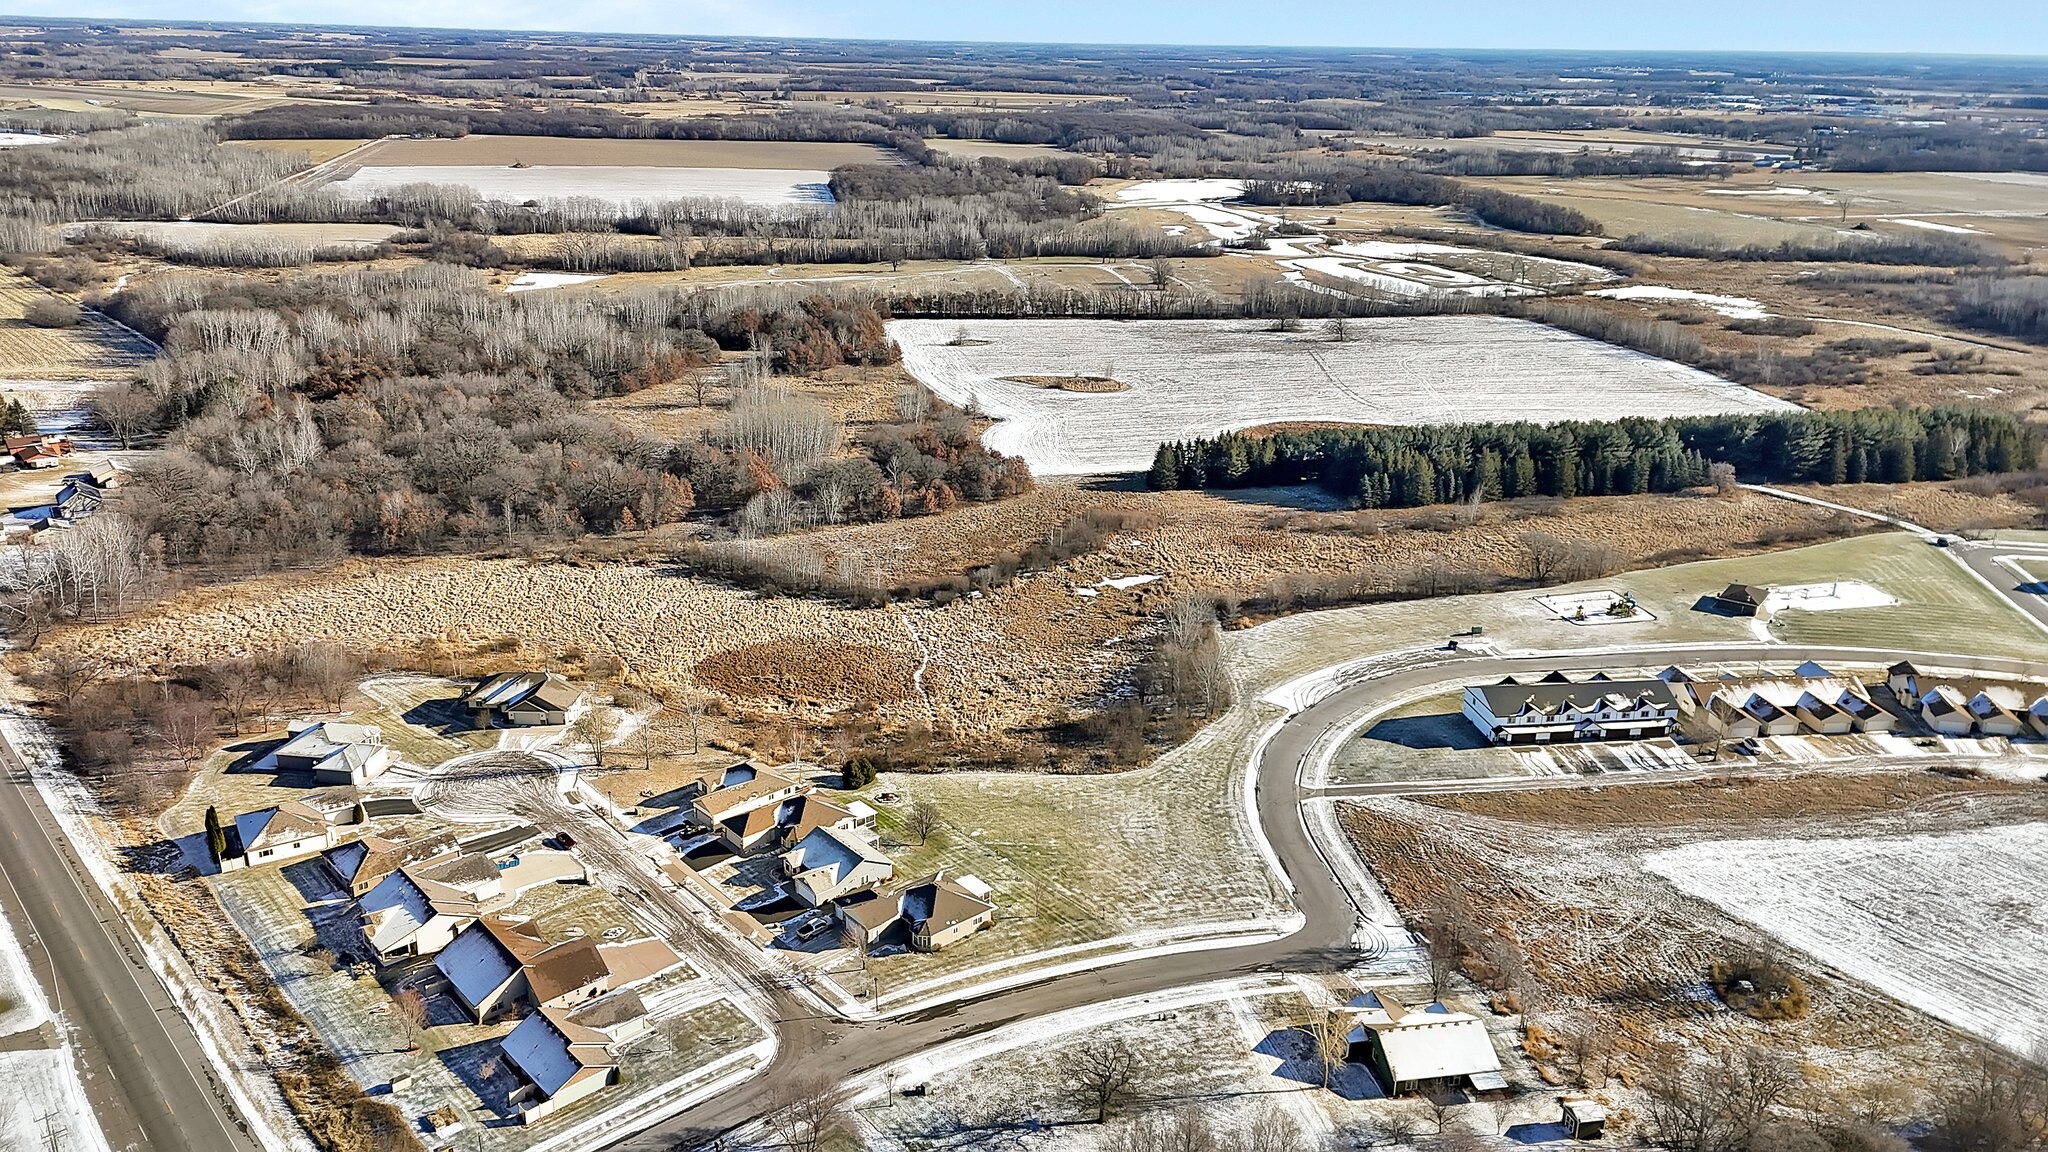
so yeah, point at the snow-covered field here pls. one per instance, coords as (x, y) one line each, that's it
(620, 186)
(535, 281)
(1190, 378)
(1733, 307)
(1933, 226)
(26, 139)
(1593, 608)
(1951, 923)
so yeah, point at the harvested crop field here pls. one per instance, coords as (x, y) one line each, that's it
(1190, 378)
(96, 348)
(1951, 923)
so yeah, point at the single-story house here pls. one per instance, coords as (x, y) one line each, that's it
(831, 863)
(558, 1062)
(1865, 716)
(38, 449)
(1742, 599)
(1727, 717)
(522, 700)
(105, 476)
(333, 752)
(1997, 711)
(1415, 1051)
(497, 962)
(1947, 711)
(273, 835)
(1822, 717)
(418, 909)
(1554, 710)
(730, 810)
(936, 912)
(360, 864)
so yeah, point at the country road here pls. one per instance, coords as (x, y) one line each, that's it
(146, 1075)
(816, 1049)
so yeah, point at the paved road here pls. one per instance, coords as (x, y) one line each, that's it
(146, 1075)
(1981, 557)
(815, 1049)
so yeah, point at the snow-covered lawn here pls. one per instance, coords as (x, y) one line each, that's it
(620, 186)
(1733, 307)
(1190, 378)
(534, 281)
(1953, 924)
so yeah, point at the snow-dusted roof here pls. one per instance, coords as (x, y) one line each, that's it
(289, 820)
(550, 1050)
(476, 963)
(834, 851)
(1434, 1043)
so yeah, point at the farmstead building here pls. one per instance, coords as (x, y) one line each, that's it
(1555, 709)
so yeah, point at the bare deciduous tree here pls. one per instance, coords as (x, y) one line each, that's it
(923, 820)
(1104, 1075)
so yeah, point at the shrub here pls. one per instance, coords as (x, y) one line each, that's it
(52, 312)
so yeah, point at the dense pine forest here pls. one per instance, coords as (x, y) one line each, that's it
(1414, 467)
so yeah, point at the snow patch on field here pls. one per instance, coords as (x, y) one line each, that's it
(1193, 378)
(1180, 191)
(21, 999)
(1733, 307)
(1827, 597)
(26, 139)
(1950, 923)
(1931, 226)
(534, 281)
(1762, 192)
(43, 1089)
(619, 186)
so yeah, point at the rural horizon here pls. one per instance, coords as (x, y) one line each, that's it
(980, 591)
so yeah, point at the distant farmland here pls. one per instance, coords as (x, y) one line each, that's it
(520, 168)
(1188, 378)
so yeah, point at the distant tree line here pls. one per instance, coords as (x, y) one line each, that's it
(1413, 467)
(1391, 184)
(1862, 248)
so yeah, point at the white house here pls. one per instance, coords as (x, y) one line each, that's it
(1555, 709)
(830, 863)
(522, 700)
(333, 752)
(1947, 711)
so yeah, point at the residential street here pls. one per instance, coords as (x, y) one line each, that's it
(145, 1073)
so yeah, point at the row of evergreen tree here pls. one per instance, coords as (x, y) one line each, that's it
(1409, 467)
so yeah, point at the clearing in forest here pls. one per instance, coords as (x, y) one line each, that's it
(1192, 378)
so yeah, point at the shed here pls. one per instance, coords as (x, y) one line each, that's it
(1584, 1118)
(1742, 599)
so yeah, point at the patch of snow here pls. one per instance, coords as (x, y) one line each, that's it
(534, 281)
(1786, 191)
(43, 1091)
(1180, 191)
(27, 139)
(1826, 597)
(21, 999)
(1401, 285)
(1931, 226)
(1733, 307)
(1122, 582)
(1951, 923)
(1388, 250)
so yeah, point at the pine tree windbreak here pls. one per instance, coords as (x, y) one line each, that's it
(1410, 467)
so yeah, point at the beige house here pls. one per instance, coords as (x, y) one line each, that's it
(832, 863)
(274, 835)
(361, 864)
(1413, 1050)
(558, 1061)
(419, 908)
(747, 810)
(497, 963)
(932, 914)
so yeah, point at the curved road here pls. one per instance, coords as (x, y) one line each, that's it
(814, 1047)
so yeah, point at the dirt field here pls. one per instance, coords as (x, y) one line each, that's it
(560, 151)
(995, 148)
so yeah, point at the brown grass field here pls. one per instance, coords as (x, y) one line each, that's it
(317, 151)
(137, 98)
(555, 150)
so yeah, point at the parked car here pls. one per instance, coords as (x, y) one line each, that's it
(564, 841)
(812, 928)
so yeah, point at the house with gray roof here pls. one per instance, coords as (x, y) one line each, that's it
(1556, 710)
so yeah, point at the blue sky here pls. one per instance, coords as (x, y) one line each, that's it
(2007, 27)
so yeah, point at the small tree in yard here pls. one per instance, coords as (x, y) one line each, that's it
(216, 836)
(596, 728)
(923, 820)
(1330, 1033)
(412, 1010)
(1104, 1077)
